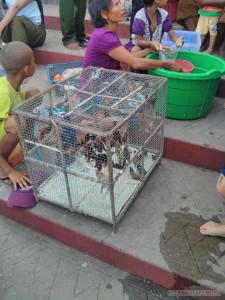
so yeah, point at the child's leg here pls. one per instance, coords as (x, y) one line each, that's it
(7, 143)
(10, 139)
(212, 41)
(31, 92)
(213, 34)
(202, 27)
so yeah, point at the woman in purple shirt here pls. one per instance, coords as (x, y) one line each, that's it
(105, 49)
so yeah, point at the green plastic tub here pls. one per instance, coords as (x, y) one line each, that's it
(190, 95)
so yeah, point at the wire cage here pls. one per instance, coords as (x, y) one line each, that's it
(91, 141)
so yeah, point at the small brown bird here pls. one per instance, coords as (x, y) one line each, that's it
(141, 170)
(137, 158)
(134, 175)
(126, 153)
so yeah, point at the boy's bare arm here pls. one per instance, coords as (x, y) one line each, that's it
(12, 12)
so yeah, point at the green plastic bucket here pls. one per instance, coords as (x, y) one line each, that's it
(190, 95)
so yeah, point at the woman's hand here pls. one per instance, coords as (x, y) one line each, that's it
(179, 41)
(172, 66)
(154, 45)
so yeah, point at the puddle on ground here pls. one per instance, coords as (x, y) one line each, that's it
(139, 289)
(188, 252)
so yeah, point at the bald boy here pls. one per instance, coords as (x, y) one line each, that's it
(18, 61)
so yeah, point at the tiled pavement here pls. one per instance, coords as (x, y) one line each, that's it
(35, 267)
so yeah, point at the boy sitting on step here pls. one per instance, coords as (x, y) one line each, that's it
(18, 61)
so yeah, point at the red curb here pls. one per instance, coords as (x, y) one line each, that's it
(97, 248)
(196, 155)
(43, 57)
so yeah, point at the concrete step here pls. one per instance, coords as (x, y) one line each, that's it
(53, 50)
(158, 238)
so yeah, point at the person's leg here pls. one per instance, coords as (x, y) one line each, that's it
(9, 140)
(31, 92)
(23, 30)
(79, 22)
(213, 229)
(203, 28)
(212, 41)
(210, 227)
(67, 20)
(212, 27)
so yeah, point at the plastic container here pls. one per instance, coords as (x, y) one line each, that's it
(54, 69)
(171, 8)
(192, 40)
(168, 55)
(190, 95)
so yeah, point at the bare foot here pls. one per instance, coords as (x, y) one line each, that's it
(213, 229)
(73, 46)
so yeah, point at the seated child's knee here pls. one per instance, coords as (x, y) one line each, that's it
(32, 92)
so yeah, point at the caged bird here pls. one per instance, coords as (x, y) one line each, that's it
(137, 158)
(141, 170)
(104, 179)
(134, 175)
(120, 155)
(126, 153)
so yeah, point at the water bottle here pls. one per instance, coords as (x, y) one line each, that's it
(214, 27)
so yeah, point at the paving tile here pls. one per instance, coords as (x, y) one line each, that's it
(110, 288)
(192, 232)
(86, 280)
(177, 245)
(188, 260)
(66, 277)
(90, 293)
(203, 252)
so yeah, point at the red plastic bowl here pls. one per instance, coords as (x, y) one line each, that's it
(186, 65)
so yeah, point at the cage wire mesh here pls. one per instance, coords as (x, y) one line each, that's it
(91, 141)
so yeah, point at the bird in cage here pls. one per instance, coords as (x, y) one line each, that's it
(120, 156)
(126, 153)
(44, 131)
(134, 175)
(137, 158)
(69, 141)
(141, 170)
(100, 160)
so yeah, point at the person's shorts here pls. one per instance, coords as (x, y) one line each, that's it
(2, 129)
(205, 24)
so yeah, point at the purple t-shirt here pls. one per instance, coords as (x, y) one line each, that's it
(101, 43)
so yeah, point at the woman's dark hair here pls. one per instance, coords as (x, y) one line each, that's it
(148, 2)
(95, 8)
